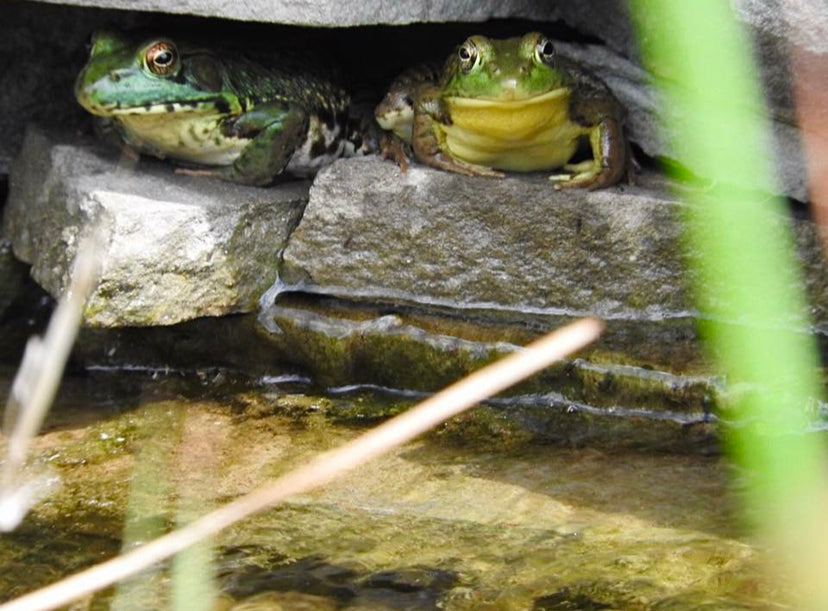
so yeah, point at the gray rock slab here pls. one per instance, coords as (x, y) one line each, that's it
(649, 121)
(515, 244)
(176, 247)
(338, 13)
(438, 238)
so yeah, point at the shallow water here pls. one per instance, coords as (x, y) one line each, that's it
(473, 516)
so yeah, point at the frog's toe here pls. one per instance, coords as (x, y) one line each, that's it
(584, 167)
(479, 170)
(589, 181)
(470, 169)
(450, 164)
(562, 177)
(586, 175)
(196, 172)
(393, 148)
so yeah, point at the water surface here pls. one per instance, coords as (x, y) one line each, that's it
(472, 516)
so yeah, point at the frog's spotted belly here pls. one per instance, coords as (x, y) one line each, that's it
(200, 140)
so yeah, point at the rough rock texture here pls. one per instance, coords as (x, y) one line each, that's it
(774, 28)
(340, 13)
(176, 247)
(516, 244)
(647, 119)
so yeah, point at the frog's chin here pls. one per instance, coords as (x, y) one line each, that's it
(511, 102)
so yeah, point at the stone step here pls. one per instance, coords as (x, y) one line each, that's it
(176, 247)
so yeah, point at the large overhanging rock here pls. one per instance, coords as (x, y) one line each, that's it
(175, 247)
(340, 12)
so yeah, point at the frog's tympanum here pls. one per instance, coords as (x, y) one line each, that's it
(236, 119)
(513, 105)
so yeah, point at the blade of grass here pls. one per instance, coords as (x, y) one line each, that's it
(749, 285)
(449, 402)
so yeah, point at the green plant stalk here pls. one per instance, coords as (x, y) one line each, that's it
(748, 283)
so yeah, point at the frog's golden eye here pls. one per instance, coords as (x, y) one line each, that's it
(162, 58)
(467, 53)
(544, 50)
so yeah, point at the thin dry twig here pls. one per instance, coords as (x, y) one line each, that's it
(456, 398)
(35, 385)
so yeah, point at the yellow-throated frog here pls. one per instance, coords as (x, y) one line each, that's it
(247, 121)
(513, 105)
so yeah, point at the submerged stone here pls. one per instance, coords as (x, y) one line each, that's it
(589, 399)
(175, 247)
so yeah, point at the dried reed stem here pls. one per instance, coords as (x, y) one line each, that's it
(35, 385)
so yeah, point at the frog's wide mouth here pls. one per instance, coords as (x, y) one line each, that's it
(459, 101)
(213, 105)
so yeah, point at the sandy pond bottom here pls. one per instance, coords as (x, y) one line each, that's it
(451, 521)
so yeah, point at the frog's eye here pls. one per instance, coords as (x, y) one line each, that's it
(467, 53)
(161, 58)
(544, 50)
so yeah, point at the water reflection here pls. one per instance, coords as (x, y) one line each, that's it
(474, 516)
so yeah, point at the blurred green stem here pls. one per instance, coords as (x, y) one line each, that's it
(748, 283)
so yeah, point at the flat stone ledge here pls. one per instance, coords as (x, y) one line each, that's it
(516, 244)
(176, 247)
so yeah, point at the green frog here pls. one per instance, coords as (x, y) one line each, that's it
(227, 115)
(514, 105)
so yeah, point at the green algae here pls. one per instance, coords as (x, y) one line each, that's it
(394, 351)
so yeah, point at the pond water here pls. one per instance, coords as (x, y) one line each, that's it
(454, 521)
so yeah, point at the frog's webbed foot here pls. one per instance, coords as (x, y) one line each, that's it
(443, 162)
(391, 147)
(276, 130)
(610, 158)
(584, 175)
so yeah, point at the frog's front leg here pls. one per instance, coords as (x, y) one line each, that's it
(392, 147)
(428, 140)
(609, 161)
(276, 131)
(112, 133)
